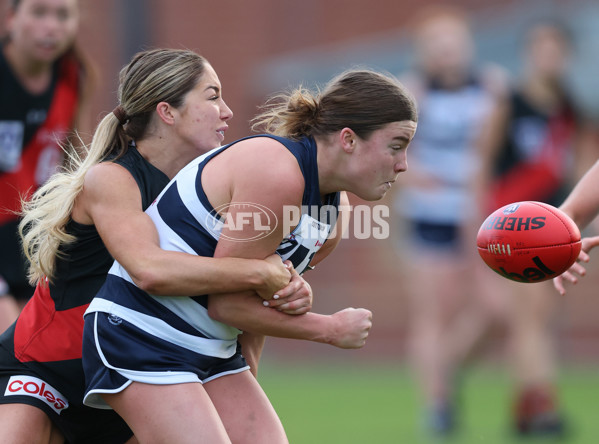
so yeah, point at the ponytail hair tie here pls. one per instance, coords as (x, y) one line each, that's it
(120, 114)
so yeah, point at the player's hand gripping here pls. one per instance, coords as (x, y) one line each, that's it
(588, 243)
(351, 327)
(295, 298)
(276, 275)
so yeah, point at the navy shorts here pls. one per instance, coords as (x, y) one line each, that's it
(436, 236)
(116, 353)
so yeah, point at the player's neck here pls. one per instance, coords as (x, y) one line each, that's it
(542, 94)
(164, 155)
(34, 75)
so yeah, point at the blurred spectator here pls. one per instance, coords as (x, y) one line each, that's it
(43, 87)
(538, 144)
(439, 203)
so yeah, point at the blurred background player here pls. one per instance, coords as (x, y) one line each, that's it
(538, 146)
(438, 202)
(44, 84)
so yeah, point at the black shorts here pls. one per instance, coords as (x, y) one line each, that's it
(29, 384)
(13, 265)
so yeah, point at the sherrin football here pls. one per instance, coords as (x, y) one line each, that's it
(528, 241)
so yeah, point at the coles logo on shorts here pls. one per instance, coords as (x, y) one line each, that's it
(36, 388)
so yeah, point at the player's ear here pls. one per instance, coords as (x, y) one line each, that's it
(348, 138)
(166, 113)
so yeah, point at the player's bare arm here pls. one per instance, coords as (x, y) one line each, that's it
(582, 205)
(111, 201)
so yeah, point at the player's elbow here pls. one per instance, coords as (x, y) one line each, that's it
(217, 311)
(148, 280)
(221, 310)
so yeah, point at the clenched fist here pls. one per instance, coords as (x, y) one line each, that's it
(351, 327)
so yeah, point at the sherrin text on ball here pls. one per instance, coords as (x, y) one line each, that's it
(528, 241)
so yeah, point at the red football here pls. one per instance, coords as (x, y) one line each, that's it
(528, 241)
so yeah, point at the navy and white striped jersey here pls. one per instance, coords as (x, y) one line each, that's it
(444, 149)
(187, 222)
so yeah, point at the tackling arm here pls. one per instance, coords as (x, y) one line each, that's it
(112, 202)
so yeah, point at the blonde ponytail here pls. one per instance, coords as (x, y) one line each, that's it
(46, 214)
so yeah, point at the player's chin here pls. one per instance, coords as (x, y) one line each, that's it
(47, 55)
(381, 192)
(378, 195)
(372, 194)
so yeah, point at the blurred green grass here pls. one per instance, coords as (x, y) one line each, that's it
(379, 404)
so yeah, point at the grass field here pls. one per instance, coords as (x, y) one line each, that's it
(377, 404)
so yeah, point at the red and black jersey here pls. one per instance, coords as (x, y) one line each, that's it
(31, 130)
(535, 161)
(46, 337)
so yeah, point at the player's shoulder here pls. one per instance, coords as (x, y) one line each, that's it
(266, 154)
(258, 145)
(495, 79)
(267, 162)
(108, 174)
